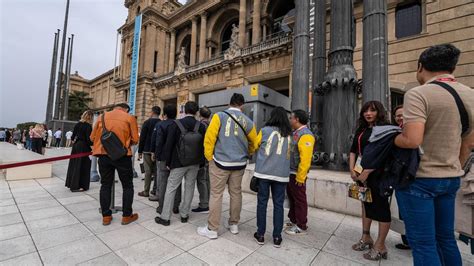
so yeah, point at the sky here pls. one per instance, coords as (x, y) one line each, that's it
(26, 42)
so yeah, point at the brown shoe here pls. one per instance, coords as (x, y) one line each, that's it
(143, 194)
(106, 220)
(129, 219)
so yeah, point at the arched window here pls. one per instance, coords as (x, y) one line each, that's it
(279, 11)
(138, 10)
(226, 34)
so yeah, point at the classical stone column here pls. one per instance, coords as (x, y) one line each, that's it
(202, 38)
(242, 22)
(300, 79)
(192, 60)
(375, 54)
(256, 35)
(172, 50)
(149, 47)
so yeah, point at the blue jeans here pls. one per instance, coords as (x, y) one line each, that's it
(427, 208)
(278, 197)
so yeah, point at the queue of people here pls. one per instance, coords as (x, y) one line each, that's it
(212, 154)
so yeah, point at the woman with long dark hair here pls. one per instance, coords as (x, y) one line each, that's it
(272, 168)
(79, 169)
(372, 114)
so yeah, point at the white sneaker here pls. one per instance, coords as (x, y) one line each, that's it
(234, 229)
(295, 230)
(204, 231)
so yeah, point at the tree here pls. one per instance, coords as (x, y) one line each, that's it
(26, 125)
(78, 103)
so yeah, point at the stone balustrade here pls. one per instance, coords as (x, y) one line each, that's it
(272, 42)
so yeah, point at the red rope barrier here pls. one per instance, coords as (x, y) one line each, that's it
(52, 159)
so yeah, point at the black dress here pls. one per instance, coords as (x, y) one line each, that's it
(79, 169)
(379, 208)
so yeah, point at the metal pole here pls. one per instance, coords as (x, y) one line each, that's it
(61, 65)
(375, 56)
(340, 101)
(68, 76)
(300, 73)
(52, 79)
(319, 67)
(115, 55)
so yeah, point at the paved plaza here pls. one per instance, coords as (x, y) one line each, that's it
(42, 222)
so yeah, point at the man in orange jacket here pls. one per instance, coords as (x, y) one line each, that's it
(125, 128)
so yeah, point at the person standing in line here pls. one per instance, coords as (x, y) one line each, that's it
(230, 139)
(28, 138)
(183, 153)
(57, 136)
(50, 138)
(37, 135)
(272, 168)
(144, 148)
(302, 147)
(372, 114)
(159, 138)
(16, 136)
(397, 114)
(45, 139)
(202, 183)
(3, 134)
(433, 121)
(125, 127)
(8, 135)
(79, 169)
(68, 138)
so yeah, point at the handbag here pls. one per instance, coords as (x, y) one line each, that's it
(254, 184)
(361, 193)
(111, 143)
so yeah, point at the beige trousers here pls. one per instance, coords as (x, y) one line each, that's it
(218, 179)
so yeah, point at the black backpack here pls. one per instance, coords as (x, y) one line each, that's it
(111, 143)
(190, 147)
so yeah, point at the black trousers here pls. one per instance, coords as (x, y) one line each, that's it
(107, 169)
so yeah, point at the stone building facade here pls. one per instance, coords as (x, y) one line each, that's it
(210, 45)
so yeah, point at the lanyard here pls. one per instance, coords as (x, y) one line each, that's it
(446, 79)
(359, 141)
(295, 134)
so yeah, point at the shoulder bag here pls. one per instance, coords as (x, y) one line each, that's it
(111, 143)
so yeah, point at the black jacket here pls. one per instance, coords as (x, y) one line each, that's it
(146, 135)
(399, 165)
(169, 152)
(158, 138)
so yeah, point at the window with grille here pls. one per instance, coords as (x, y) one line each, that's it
(408, 20)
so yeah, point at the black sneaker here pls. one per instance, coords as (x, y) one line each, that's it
(184, 220)
(175, 210)
(260, 239)
(164, 222)
(277, 242)
(201, 210)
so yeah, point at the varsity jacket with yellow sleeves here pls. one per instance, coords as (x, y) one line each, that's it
(226, 144)
(301, 153)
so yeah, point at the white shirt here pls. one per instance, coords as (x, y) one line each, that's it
(68, 135)
(50, 133)
(58, 134)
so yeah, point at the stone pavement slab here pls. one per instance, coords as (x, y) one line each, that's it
(43, 223)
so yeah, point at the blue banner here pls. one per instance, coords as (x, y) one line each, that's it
(134, 68)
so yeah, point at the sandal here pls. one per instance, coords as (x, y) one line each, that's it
(362, 246)
(375, 255)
